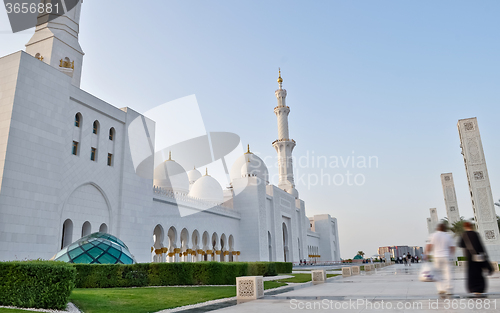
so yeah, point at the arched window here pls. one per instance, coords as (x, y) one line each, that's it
(111, 133)
(103, 228)
(95, 127)
(86, 229)
(78, 119)
(67, 233)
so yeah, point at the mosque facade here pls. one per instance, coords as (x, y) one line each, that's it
(67, 170)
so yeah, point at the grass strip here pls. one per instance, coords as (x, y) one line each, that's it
(149, 299)
(143, 300)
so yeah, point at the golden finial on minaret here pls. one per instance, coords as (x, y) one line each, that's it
(206, 171)
(170, 156)
(248, 150)
(280, 80)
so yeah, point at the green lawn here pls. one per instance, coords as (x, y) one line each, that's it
(137, 300)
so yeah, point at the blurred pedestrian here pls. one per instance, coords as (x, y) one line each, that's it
(443, 247)
(408, 257)
(477, 260)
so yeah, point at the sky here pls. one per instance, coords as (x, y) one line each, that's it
(384, 81)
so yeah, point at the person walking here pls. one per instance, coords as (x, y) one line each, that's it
(405, 260)
(408, 257)
(477, 260)
(443, 247)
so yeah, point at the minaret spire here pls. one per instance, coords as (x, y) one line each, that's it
(284, 145)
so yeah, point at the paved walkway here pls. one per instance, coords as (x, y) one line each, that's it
(395, 288)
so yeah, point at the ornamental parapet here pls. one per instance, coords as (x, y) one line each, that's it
(195, 203)
(283, 140)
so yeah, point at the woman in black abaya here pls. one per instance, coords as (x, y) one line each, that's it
(471, 242)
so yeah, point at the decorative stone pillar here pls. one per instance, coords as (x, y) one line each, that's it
(237, 256)
(319, 276)
(209, 255)
(171, 257)
(217, 255)
(249, 287)
(201, 254)
(164, 253)
(176, 255)
(346, 271)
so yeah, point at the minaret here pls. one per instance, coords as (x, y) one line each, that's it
(55, 41)
(284, 145)
(450, 198)
(434, 219)
(479, 186)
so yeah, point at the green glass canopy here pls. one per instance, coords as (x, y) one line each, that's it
(96, 248)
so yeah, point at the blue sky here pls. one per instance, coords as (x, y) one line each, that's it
(364, 78)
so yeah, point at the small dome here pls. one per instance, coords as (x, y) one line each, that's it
(96, 248)
(207, 188)
(171, 175)
(193, 175)
(249, 165)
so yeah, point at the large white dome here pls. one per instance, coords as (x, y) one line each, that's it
(249, 165)
(207, 188)
(193, 175)
(171, 175)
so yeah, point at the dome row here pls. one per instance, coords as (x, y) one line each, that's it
(171, 175)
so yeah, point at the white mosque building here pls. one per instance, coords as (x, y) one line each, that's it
(67, 170)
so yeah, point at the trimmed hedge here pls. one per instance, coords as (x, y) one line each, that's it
(283, 267)
(172, 274)
(36, 284)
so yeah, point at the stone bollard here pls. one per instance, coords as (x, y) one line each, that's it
(318, 276)
(249, 287)
(368, 267)
(346, 271)
(355, 270)
(495, 266)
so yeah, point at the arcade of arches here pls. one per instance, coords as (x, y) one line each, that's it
(171, 246)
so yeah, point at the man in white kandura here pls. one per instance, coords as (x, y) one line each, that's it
(442, 246)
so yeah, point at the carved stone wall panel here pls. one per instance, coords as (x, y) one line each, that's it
(474, 153)
(484, 209)
(450, 194)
